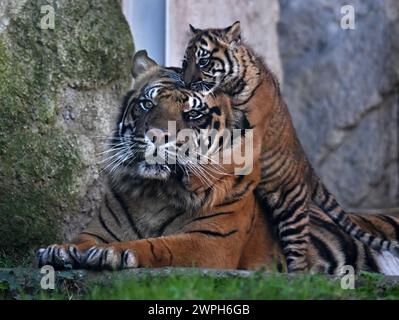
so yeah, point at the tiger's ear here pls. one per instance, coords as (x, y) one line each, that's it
(233, 33)
(194, 30)
(141, 63)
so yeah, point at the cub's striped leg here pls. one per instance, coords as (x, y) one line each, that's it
(295, 247)
(66, 256)
(293, 231)
(291, 221)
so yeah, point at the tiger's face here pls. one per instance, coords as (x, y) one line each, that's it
(164, 128)
(210, 59)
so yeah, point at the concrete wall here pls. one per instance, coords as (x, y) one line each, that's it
(258, 18)
(146, 19)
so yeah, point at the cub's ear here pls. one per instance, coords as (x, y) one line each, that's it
(233, 33)
(194, 30)
(141, 63)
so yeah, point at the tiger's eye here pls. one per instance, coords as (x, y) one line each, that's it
(193, 114)
(203, 62)
(146, 105)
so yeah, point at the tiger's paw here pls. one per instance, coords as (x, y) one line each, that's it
(110, 258)
(59, 256)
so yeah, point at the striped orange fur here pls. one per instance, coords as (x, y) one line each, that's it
(217, 59)
(156, 217)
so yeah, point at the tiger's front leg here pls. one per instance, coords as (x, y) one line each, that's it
(195, 249)
(66, 256)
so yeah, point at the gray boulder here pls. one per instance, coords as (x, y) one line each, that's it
(59, 92)
(342, 89)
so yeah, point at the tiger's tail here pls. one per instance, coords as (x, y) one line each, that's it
(326, 201)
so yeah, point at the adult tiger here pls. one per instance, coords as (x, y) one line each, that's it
(289, 187)
(187, 213)
(156, 215)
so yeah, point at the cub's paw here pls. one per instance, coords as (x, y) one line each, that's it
(109, 258)
(59, 256)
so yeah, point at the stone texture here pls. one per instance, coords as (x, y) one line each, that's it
(59, 92)
(258, 19)
(342, 89)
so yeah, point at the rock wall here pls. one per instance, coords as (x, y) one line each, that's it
(342, 89)
(59, 90)
(258, 20)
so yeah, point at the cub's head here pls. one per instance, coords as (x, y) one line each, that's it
(164, 129)
(210, 58)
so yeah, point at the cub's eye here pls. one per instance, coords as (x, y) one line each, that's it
(146, 105)
(203, 62)
(194, 115)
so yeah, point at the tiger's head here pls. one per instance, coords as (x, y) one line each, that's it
(212, 58)
(164, 130)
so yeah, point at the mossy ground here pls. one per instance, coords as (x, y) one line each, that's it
(90, 47)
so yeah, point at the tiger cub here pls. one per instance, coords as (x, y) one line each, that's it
(172, 213)
(218, 59)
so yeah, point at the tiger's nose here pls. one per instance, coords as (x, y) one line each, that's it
(194, 81)
(187, 78)
(191, 74)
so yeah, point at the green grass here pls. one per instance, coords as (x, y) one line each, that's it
(197, 286)
(11, 261)
(255, 287)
